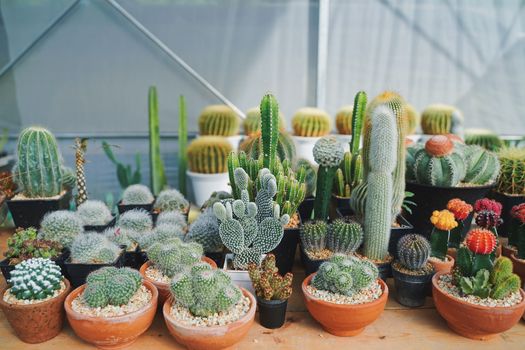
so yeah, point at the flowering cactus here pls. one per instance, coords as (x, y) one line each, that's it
(488, 204)
(461, 211)
(443, 222)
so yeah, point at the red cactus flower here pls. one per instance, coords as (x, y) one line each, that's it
(518, 212)
(459, 208)
(488, 204)
(488, 219)
(480, 241)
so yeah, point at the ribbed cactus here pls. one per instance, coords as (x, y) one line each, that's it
(482, 166)
(253, 146)
(136, 220)
(205, 231)
(137, 194)
(171, 199)
(219, 120)
(183, 144)
(69, 178)
(441, 119)
(345, 276)
(269, 128)
(252, 123)
(311, 122)
(310, 178)
(314, 235)
(111, 286)
(512, 171)
(344, 236)
(413, 251)
(343, 120)
(205, 292)
(484, 138)
(267, 282)
(94, 212)
(93, 248)
(208, 155)
(38, 169)
(413, 118)
(156, 165)
(174, 256)
(35, 279)
(61, 226)
(328, 153)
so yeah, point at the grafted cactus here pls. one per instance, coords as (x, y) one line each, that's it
(267, 281)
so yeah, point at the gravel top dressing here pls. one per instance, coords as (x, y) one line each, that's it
(156, 275)
(364, 296)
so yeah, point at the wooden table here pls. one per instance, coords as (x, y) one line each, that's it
(397, 328)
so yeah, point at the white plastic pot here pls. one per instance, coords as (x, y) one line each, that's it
(305, 146)
(205, 184)
(234, 141)
(239, 277)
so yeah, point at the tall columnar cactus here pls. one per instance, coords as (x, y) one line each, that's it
(512, 171)
(174, 256)
(219, 120)
(35, 279)
(183, 142)
(314, 235)
(252, 123)
(111, 286)
(156, 165)
(441, 119)
(413, 251)
(343, 120)
(485, 138)
(267, 282)
(93, 248)
(328, 153)
(344, 236)
(205, 231)
(137, 194)
(94, 212)
(61, 226)
(269, 128)
(125, 175)
(209, 154)
(253, 146)
(413, 118)
(171, 199)
(311, 122)
(38, 171)
(482, 166)
(80, 161)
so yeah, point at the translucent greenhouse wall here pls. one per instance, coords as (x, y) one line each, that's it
(89, 74)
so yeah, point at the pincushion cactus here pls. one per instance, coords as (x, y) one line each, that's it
(136, 195)
(484, 138)
(93, 248)
(482, 166)
(61, 226)
(512, 171)
(344, 236)
(205, 231)
(441, 119)
(488, 220)
(111, 286)
(267, 282)
(174, 256)
(120, 237)
(311, 122)
(208, 155)
(35, 279)
(218, 120)
(413, 251)
(174, 218)
(171, 199)
(136, 221)
(314, 235)
(94, 212)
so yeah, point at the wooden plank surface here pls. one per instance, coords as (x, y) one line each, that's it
(397, 328)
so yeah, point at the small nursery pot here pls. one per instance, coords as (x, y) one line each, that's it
(122, 208)
(205, 184)
(304, 147)
(310, 266)
(36, 323)
(100, 228)
(507, 250)
(111, 332)
(285, 251)
(411, 290)
(475, 321)
(385, 269)
(442, 266)
(507, 202)
(29, 212)
(77, 273)
(272, 313)
(518, 266)
(210, 338)
(344, 320)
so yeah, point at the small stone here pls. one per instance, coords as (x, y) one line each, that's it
(362, 297)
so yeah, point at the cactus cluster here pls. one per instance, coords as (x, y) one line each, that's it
(345, 275)
(267, 282)
(35, 279)
(171, 199)
(174, 256)
(94, 212)
(484, 138)
(512, 171)
(208, 155)
(61, 226)
(252, 123)
(413, 251)
(441, 119)
(218, 120)
(136, 195)
(136, 221)
(311, 122)
(205, 231)
(204, 291)
(93, 248)
(120, 237)
(111, 286)
(343, 236)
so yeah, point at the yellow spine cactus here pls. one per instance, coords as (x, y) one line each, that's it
(441, 119)
(219, 120)
(413, 118)
(311, 122)
(208, 155)
(343, 120)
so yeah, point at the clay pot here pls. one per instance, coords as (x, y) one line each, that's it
(518, 267)
(111, 332)
(344, 320)
(475, 321)
(164, 288)
(210, 338)
(442, 266)
(507, 250)
(36, 323)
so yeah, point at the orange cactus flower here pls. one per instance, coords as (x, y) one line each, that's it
(480, 241)
(459, 208)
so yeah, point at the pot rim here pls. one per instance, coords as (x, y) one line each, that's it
(406, 274)
(510, 195)
(513, 257)
(473, 306)
(270, 302)
(375, 302)
(204, 175)
(244, 319)
(147, 264)
(47, 199)
(123, 318)
(5, 304)
(482, 187)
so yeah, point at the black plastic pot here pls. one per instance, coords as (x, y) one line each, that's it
(310, 266)
(396, 233)
(77, 273)
(134, 259)
(6, 268)
(411, 290)
(306, 208)
(385, 270)
(122, 208)
(339, 205)
(29, 213)
(100, 228)
(507, 203)
(272, 313)
(218, 257)
(285, 251)
(430, 198)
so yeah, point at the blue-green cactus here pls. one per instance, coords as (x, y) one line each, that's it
(482, 166)
(93, 248)
(136, 195)
(94, 212)
(35, 279)
(171, 199)
(61, 226)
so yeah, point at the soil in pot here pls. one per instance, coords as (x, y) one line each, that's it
(440, 265)
(272, 313)
(285, 251)
(36, 322)
(29, 212)
(311, 262)
(412, 286)
(77, 273)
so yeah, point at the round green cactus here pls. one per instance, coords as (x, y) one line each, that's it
(93, 248)
(171, 199)
(343, 120)
(205, 231)
(209, 154)
(35, 279)
(413, 251)
(94, 212)
(219, 120)
(136, 221)
(328, 152)
(136, 195)
(111, 286)
(439, 119)
(174, 218)
(174, 256)
(314, 235)
(344, 236)
(512, 171)
(121, 290)
(482, 166)
(252, 146)
(252, 123)
(311, 122)
(95, 295)
(484, 138)
(61, 226)
(413, 118)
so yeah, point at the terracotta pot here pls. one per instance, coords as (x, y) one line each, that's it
(36, 323)
(507, 250)
(210, 338)
(344, 320)
(475, 321)
(518, 267)
(111, 332)
(164, 288)
(442, 266)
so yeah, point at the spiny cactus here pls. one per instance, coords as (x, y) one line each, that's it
(345, 179)
(38, 171)
(69, 178)
(136, 220)
(443, 222)
(111, 286)
(204, 291)
(205, 231)
(488, 220)
(484, 138)
(219, 120)
(512, 171)
(413, 251)
(314, 235)
(137, 194)
(413, 118)
(173, 218)
(253, 146)
(311, 122)
(267, 282)
(61, 226)
(93, 248)
(35, 279)
(120, 237)
(345, 276)
(482, 166)
(173, 256)
(328, 153)
(171, 199)
(344, 236)
(252, 123)
(310, 178)
(94, 212)
(442, 119)
(156, 165)
(269, 128)
(208, 155)
(343, 120)
(504, 282)
(80, 161)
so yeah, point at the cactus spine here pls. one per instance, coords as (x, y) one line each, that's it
(413, 251)
(442, 119)
(311, 122)
(218, 120)
(208, 155)
(267, 281)
(156, 165)
(80, 160)
(484, 138)
(269, 128)
(183, 142)
(252, 146)
(343, 120)
(35, 279)
(512, 171)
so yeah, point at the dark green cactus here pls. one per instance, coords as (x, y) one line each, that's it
(183, 142)
(35, 279)
(484, 138)
(482, 166)
(344, 236)
(269, 128)
(111, 286)
(413, 251)
(156, 165)
(314, 235)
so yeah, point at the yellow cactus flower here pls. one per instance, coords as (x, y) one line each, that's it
(443, 220)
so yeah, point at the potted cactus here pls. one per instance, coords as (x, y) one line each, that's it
(343, 125)
(33, 298)
(345, 295)
(136, 197)
(6, 159)
(485, 138)
(205, 231)
(95, 215)
(61, 226)
(414, 119)
(113, 308)
(443, 221)
(220, 120)
(516, 251)
(272, 291)
(309, 124)
(252, 123)
(207, 163)
(38, 174)
(440, 119)
(412, 272)
(517, 226)
(462, 213)
(170, 200)
(479, 299)
(207, 311)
